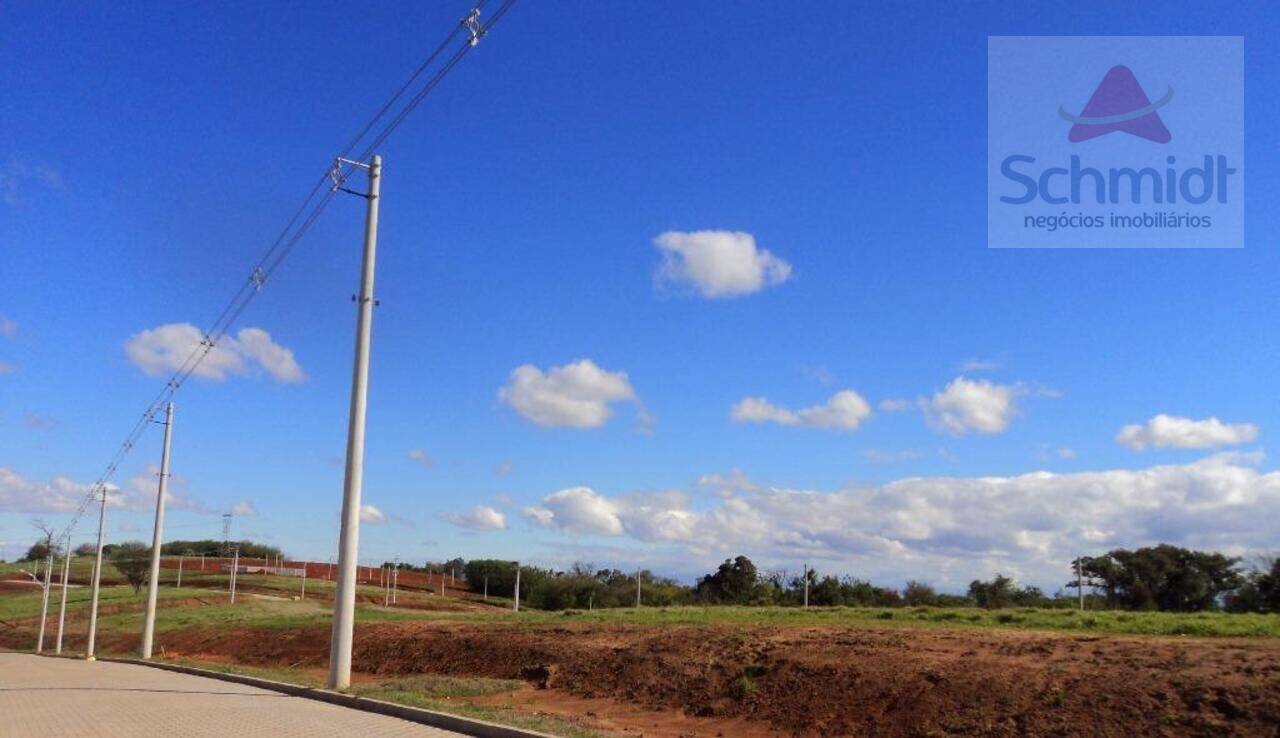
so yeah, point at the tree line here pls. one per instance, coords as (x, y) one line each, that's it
(1161, 577)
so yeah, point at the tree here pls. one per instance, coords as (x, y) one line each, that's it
(1260, 589)
(918, 593)
(133, 561)
(86, 549)
(1164, 577)
(994, 594)
(733, 582)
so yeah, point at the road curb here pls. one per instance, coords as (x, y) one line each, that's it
(443, 720)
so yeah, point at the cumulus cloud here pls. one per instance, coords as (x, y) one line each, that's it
(1175, 431)
(718, 263)
(951, 529)
(845, 410)
(244, 509)
(371, 514)
(576, 395)
(420, 456)
(19, 494)
(480, 517)
(140, 495)
(164, 349)
(967, 405)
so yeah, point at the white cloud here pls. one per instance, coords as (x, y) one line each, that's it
(140, 495)
(371, 514)
(18, 180)
(1066, 452)
(1174, 431)
(8, 328)
(480, 517)
(36, 422)
(164, 349)
(718, 263)
(577, 510)
(19, 494)
(845, 410)
(421, 457)
(975, 364)
(244, 509)
(888, 457)
(967, 405)
(576, 395)
(894, 405)
(951, 529)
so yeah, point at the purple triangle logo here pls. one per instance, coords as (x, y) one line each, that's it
(1119, 104)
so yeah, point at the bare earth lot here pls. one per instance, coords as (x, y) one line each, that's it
(617, 677)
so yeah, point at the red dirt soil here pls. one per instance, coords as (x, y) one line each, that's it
(823, 681)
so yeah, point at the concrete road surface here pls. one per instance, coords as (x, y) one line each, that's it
(44, 697)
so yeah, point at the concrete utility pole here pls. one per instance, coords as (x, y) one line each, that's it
(62, 608)
(806, 585)
(97, 579)
(304, 580)
(486, 587)
(157, 535)
(179, 584)
(235, 566)
(516, 606)
(1080, 580)
(48, 582)
(395, 580)
(344, 601)
(637, 587)
(386, 587)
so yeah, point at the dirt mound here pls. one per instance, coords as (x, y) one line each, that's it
(833, 680)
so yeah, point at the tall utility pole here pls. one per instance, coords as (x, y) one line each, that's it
(637, 587)
(806, 585)
(157, 535)
(344, 601)
(97, 578)
(516, 605)
(62, 608)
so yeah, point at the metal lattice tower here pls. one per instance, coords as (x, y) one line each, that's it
(226, 533)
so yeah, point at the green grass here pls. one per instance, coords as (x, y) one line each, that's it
(290, 612)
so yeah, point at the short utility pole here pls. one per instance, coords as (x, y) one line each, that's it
(157, 535)
(516, 605)
(806, 585)
(62, 608)
(235, 566)
(48, 582)
(344, 601)
(97, 577)
(637, 587)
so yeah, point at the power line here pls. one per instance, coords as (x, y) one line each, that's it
(297, 226)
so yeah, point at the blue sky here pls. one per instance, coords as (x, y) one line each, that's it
(820, 175)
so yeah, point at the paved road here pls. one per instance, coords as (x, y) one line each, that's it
(43, 697)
